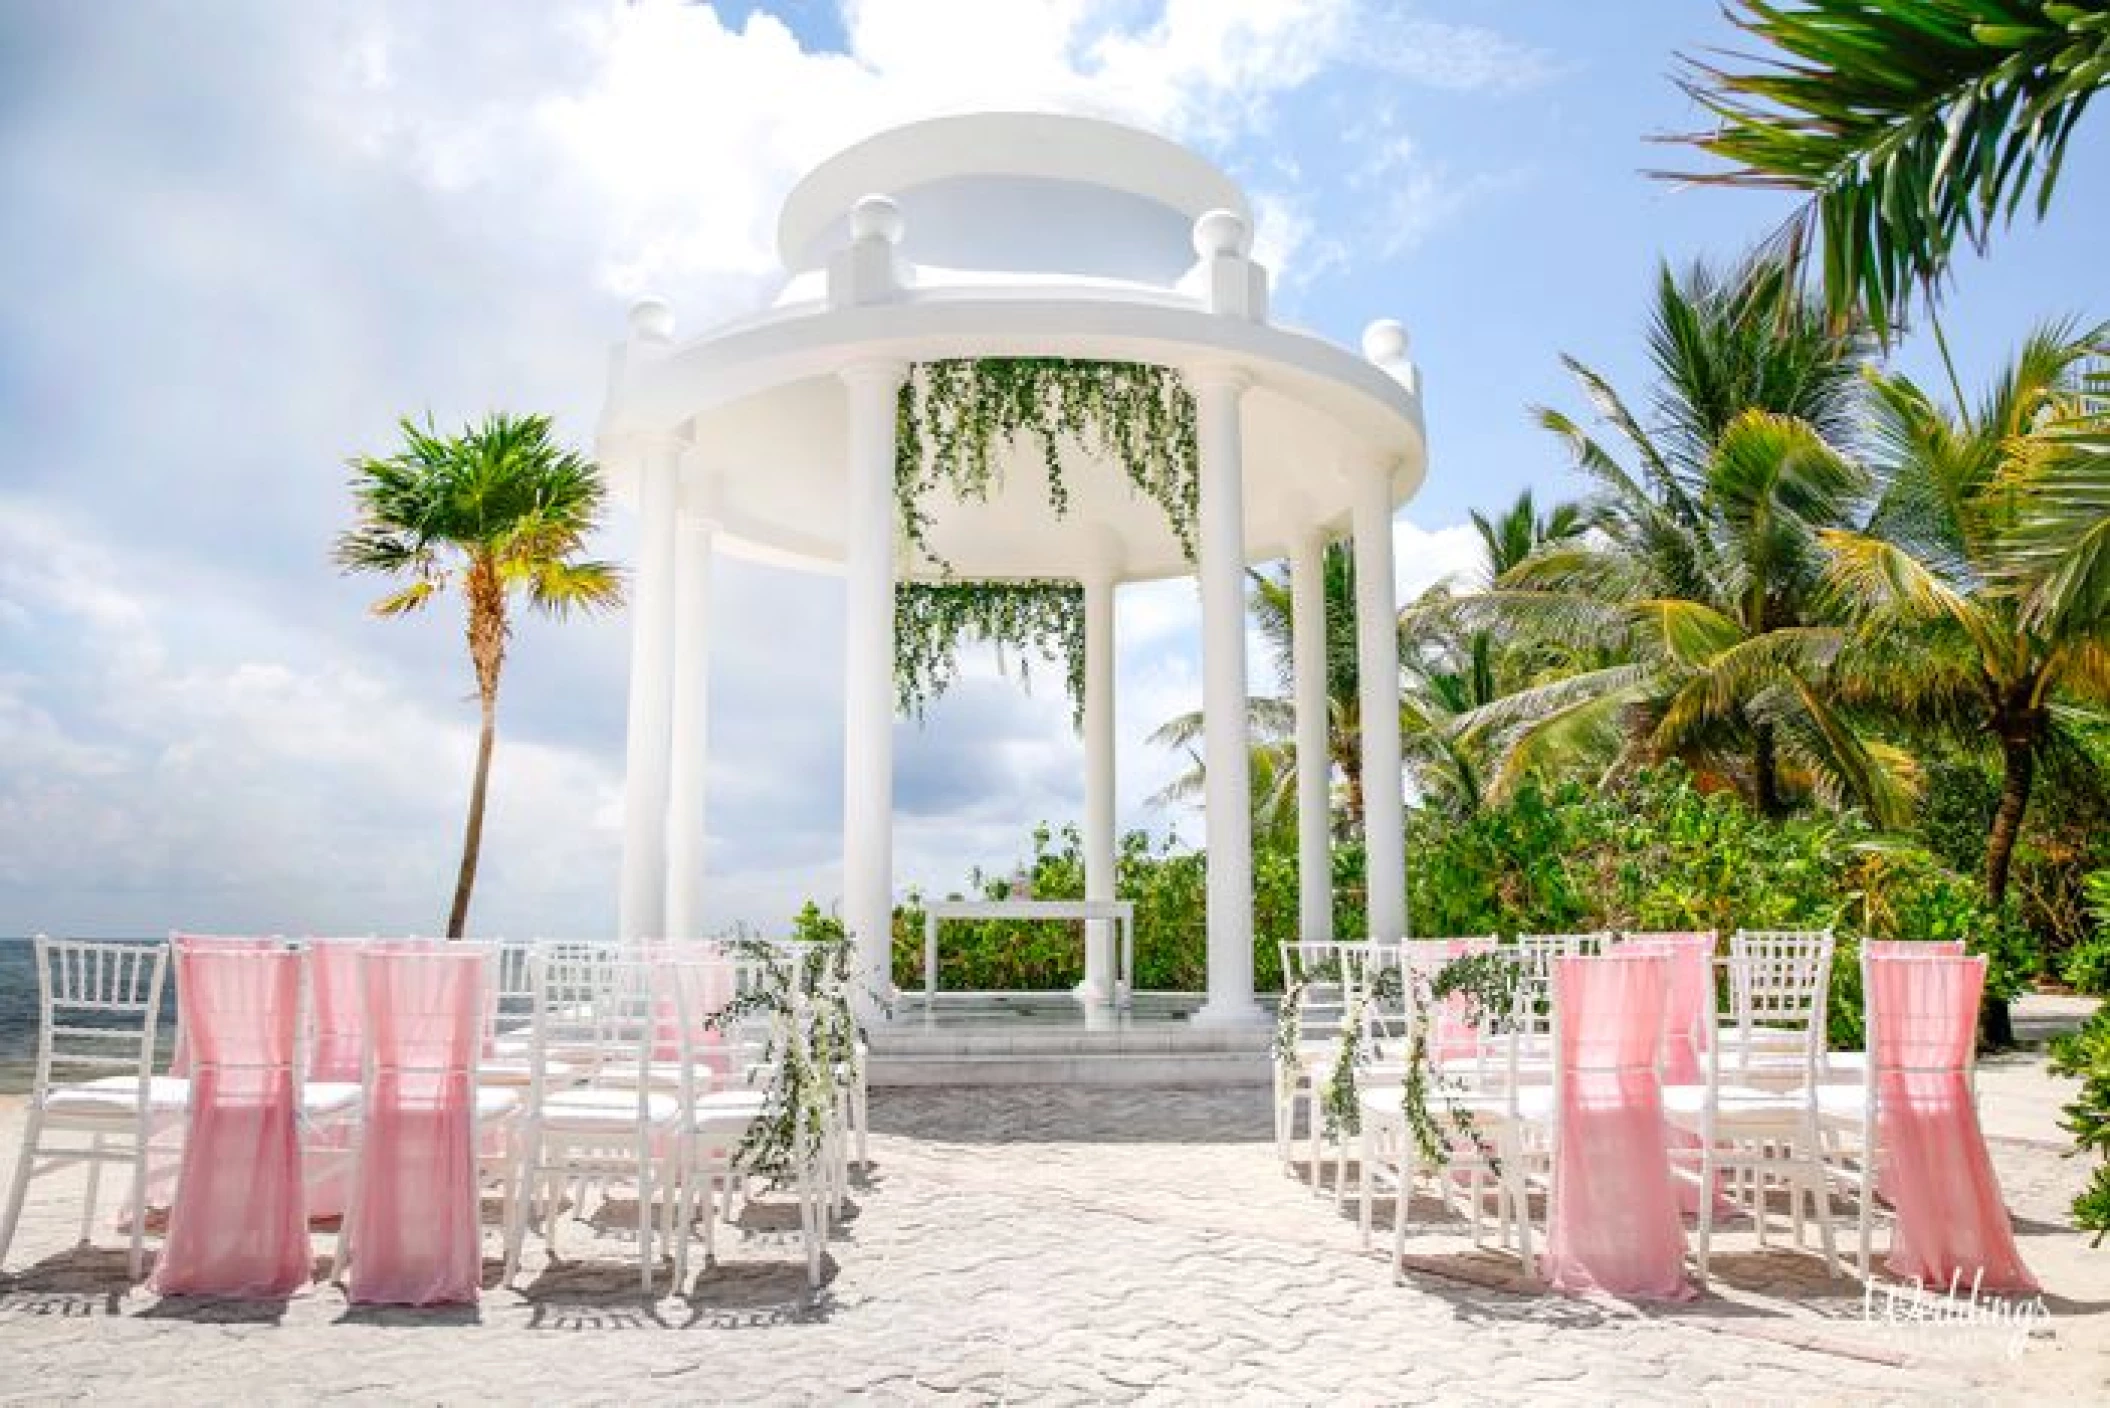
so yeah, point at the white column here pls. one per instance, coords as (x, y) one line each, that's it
(690, 750)
(1377, 668)
(1228, 802)
(868, 669)
(1100, 965)
(1307, 586)
(642, 912)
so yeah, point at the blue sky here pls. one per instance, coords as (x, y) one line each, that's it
(242, 239)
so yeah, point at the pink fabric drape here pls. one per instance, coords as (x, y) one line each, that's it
(1688, 1025)
(336, 1052)
(239, 1226)
(179, 1053)
(1614, 1223)
(1923, 1014)
(705, 981)
(1911, 948)
(1688, 1014)
(1456, 1037)
(336, 1049)
(416, 1234)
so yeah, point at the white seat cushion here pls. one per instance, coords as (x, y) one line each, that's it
(116, 1097)
(494, 1102)
(605, 1110)
(727, 1113)
(328, 1097)
(1737, 1107)
(506, 1071)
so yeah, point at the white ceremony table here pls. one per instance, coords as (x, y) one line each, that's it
(1122, 912)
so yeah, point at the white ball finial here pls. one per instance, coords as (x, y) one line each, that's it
(1220, 232)
(1385, 341)
(876, 218)
(651, 320)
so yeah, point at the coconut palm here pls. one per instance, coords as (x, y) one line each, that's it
(1701, 579)
(1271, 720)
(2061, 545)
(1520, 530)
(1973, 618)
(1908, 125)
(1453, 665)
(498, 511)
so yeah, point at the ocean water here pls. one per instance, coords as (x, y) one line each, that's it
(18, 1015)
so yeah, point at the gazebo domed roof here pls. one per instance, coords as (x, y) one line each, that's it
(1012, 235)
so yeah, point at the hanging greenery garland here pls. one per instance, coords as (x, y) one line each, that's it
(954, 415)
(932, 619)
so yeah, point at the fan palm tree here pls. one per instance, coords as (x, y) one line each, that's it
(1908, 125)
(1701, 579)
(1973, 617)
(497, 511)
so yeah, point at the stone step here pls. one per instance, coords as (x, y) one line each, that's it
(1183, 1070)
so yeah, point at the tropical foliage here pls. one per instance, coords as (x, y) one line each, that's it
(1702, 581)
(1957, 630)
(1909, 126)
(1272, 719)
(933, 619)
(499, 512)
(956, 416)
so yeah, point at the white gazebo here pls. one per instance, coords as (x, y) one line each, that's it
(1008, 235)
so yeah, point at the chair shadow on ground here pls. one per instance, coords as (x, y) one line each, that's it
(1487, 1284)
(597, 1287)
(1067, 1114)
(79, 1282)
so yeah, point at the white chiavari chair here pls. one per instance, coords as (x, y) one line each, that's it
(590, 998)
(1770, 1133)
(96, 1099)
(1317, 975)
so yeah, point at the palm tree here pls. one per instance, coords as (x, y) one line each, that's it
(2062, 543)
(1453, 666)
(1972, 618)
(1701, 579)
(1520, 530)
(1906, 125)
(496, 510)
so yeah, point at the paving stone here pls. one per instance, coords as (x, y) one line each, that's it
(1042, 1245)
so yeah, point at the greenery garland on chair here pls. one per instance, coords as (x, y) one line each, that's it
(954, 414)
(931, 619)
(800, 1062)
(1489, 985)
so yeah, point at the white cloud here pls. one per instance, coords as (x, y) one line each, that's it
(372, 208)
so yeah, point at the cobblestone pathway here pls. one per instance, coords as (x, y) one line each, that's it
(1048, 1245)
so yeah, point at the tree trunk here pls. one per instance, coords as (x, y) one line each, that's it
(473, 838)
(2018, 756)
(487, 628)
(2019, 771)
(1765, 774)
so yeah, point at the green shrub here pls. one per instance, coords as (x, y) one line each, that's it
(2088, 962)
(2086, 1054)
(1655, 852)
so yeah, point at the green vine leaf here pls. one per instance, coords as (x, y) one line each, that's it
(932, 619)
(953, 415)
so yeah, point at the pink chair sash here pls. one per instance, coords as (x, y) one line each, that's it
(239, 1226)
(1613, 1225)
(416, 1235)
(179, 1053)
(1912, 948)
(1456, 1037)
(1951, 1221)
(336, 1047)
(1688, 1026)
